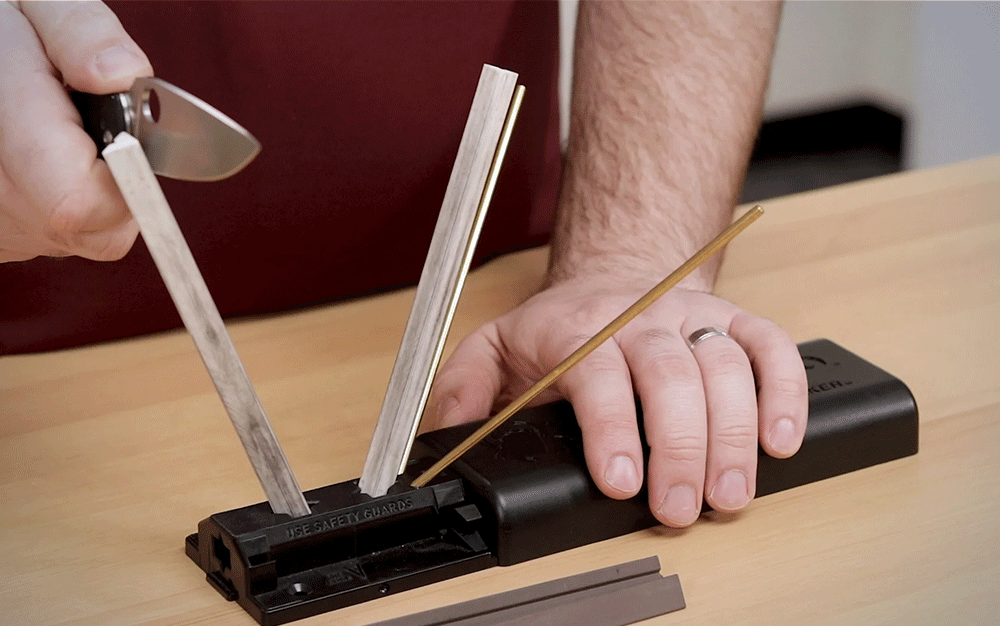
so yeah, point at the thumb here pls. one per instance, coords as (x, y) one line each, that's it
(468, 383)
(87, 44)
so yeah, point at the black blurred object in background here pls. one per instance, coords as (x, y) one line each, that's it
(824, 148)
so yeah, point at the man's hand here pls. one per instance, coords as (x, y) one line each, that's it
(56, 197)
(702, 418)
(666, 103)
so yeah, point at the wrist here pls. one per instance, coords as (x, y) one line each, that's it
(624, 268)
(640, 234)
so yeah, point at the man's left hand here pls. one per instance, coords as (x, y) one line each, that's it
(703, 412)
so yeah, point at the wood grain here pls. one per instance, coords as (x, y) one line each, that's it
(187, 288)
(455, 234)
(111, 454)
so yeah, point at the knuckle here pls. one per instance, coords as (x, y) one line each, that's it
(789, 389)
(563, 344)
(68, 218)
(736, 437)
(670, 366)
(609, 425)
(655, 337)
(729, 362)
(602, 364)
(680, 448)
(682, 456)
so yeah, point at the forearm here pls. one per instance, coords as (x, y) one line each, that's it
(666, 102)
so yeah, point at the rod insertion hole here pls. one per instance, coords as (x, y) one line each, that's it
(299, 589)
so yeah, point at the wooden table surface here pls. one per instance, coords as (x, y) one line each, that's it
(111, 454)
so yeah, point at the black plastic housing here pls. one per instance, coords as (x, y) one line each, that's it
(522, 493)
(533, 479)
(351, 549)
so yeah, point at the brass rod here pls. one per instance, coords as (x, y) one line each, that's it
(470, 248)
(603, 335)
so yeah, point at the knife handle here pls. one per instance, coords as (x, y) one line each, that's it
(103, 116)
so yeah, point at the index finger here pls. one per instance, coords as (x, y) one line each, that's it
(600, 390)
(87, 45)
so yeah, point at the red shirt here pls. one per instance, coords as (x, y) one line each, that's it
(359, 107)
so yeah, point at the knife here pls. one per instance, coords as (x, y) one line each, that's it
(182, 136)
(157, 128)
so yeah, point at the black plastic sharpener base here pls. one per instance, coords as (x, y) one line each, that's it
(522, 493)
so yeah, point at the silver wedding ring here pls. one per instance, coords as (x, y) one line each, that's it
(704, 333)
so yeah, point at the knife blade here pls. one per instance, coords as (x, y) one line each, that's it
(183, 136)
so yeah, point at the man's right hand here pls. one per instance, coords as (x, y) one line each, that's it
(56, 197)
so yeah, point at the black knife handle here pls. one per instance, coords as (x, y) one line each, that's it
(103, 116)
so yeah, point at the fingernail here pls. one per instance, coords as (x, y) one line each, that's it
(118, 61)
(730, 493)
(445, 409)
(782, 436)
(621, 474)
(679, 506)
